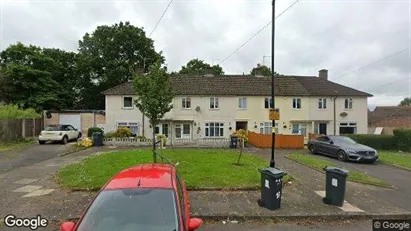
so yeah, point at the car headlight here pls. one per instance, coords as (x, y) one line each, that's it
(351, 151)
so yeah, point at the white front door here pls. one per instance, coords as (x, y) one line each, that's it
(183, 131)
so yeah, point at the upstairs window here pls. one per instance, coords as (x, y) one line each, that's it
(242, 103)
(213, 103)
(322, 103)
(186, 102)
(268, 103)
(127, 102)
(297, 103)
(348, 104)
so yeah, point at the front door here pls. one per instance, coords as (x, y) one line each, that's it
(183, 131)
(322, 128)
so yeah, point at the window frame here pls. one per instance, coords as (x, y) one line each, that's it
(208, 130)
(268, 103)
(242, 103)
(295, 103)
(186, 101)
(123, 104)
(348, 104)
(214, 101)
(323, 103)
(268, 126)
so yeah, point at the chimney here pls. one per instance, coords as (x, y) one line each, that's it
(257, 71)
(323, 74)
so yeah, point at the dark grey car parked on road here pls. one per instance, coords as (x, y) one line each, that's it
(343, 148)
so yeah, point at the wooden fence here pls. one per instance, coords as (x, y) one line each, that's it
(281, 141)
(312, 136)
(16, 129)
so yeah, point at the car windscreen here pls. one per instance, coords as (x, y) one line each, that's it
(343, 139)
(145, 209)
(53, 128)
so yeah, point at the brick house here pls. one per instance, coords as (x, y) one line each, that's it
(389, 118)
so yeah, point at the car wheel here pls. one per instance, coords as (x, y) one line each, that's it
(312, 149)
(64, 140)
(42, 142)
(341, 156)
(79, 135)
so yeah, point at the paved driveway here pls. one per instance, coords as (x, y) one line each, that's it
(397, 177)
(32, 154)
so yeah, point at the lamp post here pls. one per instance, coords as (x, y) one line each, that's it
(272, 161)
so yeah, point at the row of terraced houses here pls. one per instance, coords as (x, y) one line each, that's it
(215, 106)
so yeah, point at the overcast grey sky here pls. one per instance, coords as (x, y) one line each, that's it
(338, 35)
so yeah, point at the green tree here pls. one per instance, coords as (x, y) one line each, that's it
(32, 77)
(405, 102)
(105, 58)
(154, 95)
(199, 67)
(264, 70)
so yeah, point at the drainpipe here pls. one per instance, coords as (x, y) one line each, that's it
(335, 122)
(143, 123)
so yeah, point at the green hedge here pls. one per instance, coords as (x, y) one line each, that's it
(403, 139)
(381, 142)
(91, 130)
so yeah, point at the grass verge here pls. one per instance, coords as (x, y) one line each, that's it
(398, 159)
(18, 144)
(318, 164)
(200, 168)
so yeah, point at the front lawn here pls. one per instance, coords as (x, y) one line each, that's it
(395, 158)
(318, 164)
(200, 168)
(6, 146)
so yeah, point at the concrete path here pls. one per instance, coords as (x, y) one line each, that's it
(32, 154)
(397, 177)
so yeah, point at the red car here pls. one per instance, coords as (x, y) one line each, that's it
(147, 197)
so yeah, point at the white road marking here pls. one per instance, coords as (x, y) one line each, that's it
(28, 188)
(347, 207)
(40, 192)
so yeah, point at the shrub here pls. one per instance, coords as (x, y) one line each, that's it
(403, 139)
(86, 142)
(123, 132)
(242, 134)
(110, 135)
(11, 111)
(381, 142)
(91, 130)
(163, 138)
(141, 137)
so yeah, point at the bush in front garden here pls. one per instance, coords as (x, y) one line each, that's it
(403, 139)
(110, 135)
(379, 142)
(91, 130)
(123, 132)
(163, 138)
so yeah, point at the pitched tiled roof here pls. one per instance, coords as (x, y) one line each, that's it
(384, 112)
(246, 85)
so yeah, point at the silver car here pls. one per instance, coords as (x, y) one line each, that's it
(342, 147)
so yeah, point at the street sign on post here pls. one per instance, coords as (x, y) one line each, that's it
(274, 114)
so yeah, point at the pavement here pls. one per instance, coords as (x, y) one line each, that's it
(30, 190)
(397, 177)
